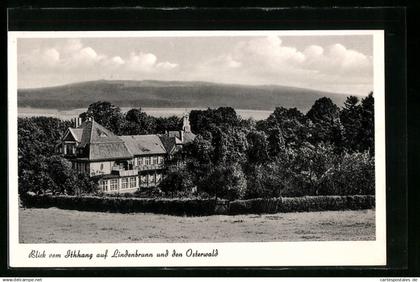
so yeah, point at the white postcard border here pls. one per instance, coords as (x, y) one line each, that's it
(318, 253)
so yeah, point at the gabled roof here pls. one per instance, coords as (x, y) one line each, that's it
(144, 144)
(168, 142)
(77, 133)
(101, 143)
(108, 151)
(188, 136)
(93, 132)
(73, 134)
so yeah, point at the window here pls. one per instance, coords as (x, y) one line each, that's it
(114, 184)
(132, 182)
(124, 183)
(147, 160)
(155, 160)
(143, 179)
(104, 185)
(102, 166)
(152, 178)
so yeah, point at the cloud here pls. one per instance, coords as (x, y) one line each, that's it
(166, 65)
(223, 61)
(147, 62)
(73, 55)
(337, 58)
(267, 60)
(256, 60)
(45, 58)
(268, 51)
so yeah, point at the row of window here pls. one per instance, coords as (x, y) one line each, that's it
(126, 183)
(69, 149)
(81, 167)
(148, 160)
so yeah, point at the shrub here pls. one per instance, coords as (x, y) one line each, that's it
(227, 182)
(254, 206)
(199, 207)
(176, 180)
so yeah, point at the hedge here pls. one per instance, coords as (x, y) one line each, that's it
(200, 207)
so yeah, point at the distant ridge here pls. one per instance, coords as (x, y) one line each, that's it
(172, 94)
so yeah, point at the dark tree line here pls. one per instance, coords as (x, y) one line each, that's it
(327, 151)
(40, 169)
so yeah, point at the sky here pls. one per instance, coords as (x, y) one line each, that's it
(341, 64)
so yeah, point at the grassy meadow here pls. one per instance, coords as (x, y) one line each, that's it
(70, 226)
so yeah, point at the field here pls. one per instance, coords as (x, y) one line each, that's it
(68, 226)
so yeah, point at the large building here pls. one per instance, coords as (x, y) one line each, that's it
(122, 164)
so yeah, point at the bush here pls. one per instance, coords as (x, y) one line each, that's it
(199, 207)
(174, 206)
(324, 203)
(254, 206)
(226, 182)
(175, 181)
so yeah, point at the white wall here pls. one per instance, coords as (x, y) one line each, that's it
(97, 168)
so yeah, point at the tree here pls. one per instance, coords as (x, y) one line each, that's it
(201, 150)
(37, 179)
(257, 147)
(37, 138)
(291, 123)
(367, 129)
(64, 177)
(358, 123)
(213, 118)
(86, 184)
(177, 180)
(276, 143)
(354, 175)
(171, 123)
(326, 125)
(138, 122)
(351, 119)
(269, 180)
(311, 167)
(226, 181)
(230, 145)
(106, 114)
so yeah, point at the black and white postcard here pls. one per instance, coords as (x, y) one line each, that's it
(196, 148)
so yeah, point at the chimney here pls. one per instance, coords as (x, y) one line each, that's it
(77, 122)
(186, 123)
(181, 133)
